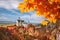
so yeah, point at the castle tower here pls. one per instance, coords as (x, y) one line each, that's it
(19, 22)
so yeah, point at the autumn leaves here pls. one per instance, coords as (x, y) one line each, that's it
(47, 8)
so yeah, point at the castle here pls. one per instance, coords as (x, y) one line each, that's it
(20, 22)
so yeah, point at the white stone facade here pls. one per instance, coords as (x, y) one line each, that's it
(58, 36)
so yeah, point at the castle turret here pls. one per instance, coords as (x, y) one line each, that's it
(19, 22)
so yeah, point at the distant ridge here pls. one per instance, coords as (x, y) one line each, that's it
(6, 22)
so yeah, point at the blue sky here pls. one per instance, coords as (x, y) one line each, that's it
(10, 12)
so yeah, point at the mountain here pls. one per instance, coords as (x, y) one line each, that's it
(6, 22)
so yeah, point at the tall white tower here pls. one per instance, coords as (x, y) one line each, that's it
(19, 22)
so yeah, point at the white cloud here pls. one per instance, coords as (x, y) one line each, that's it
(9, 4)
(33, 18)
(3, 18)
(25, 16)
